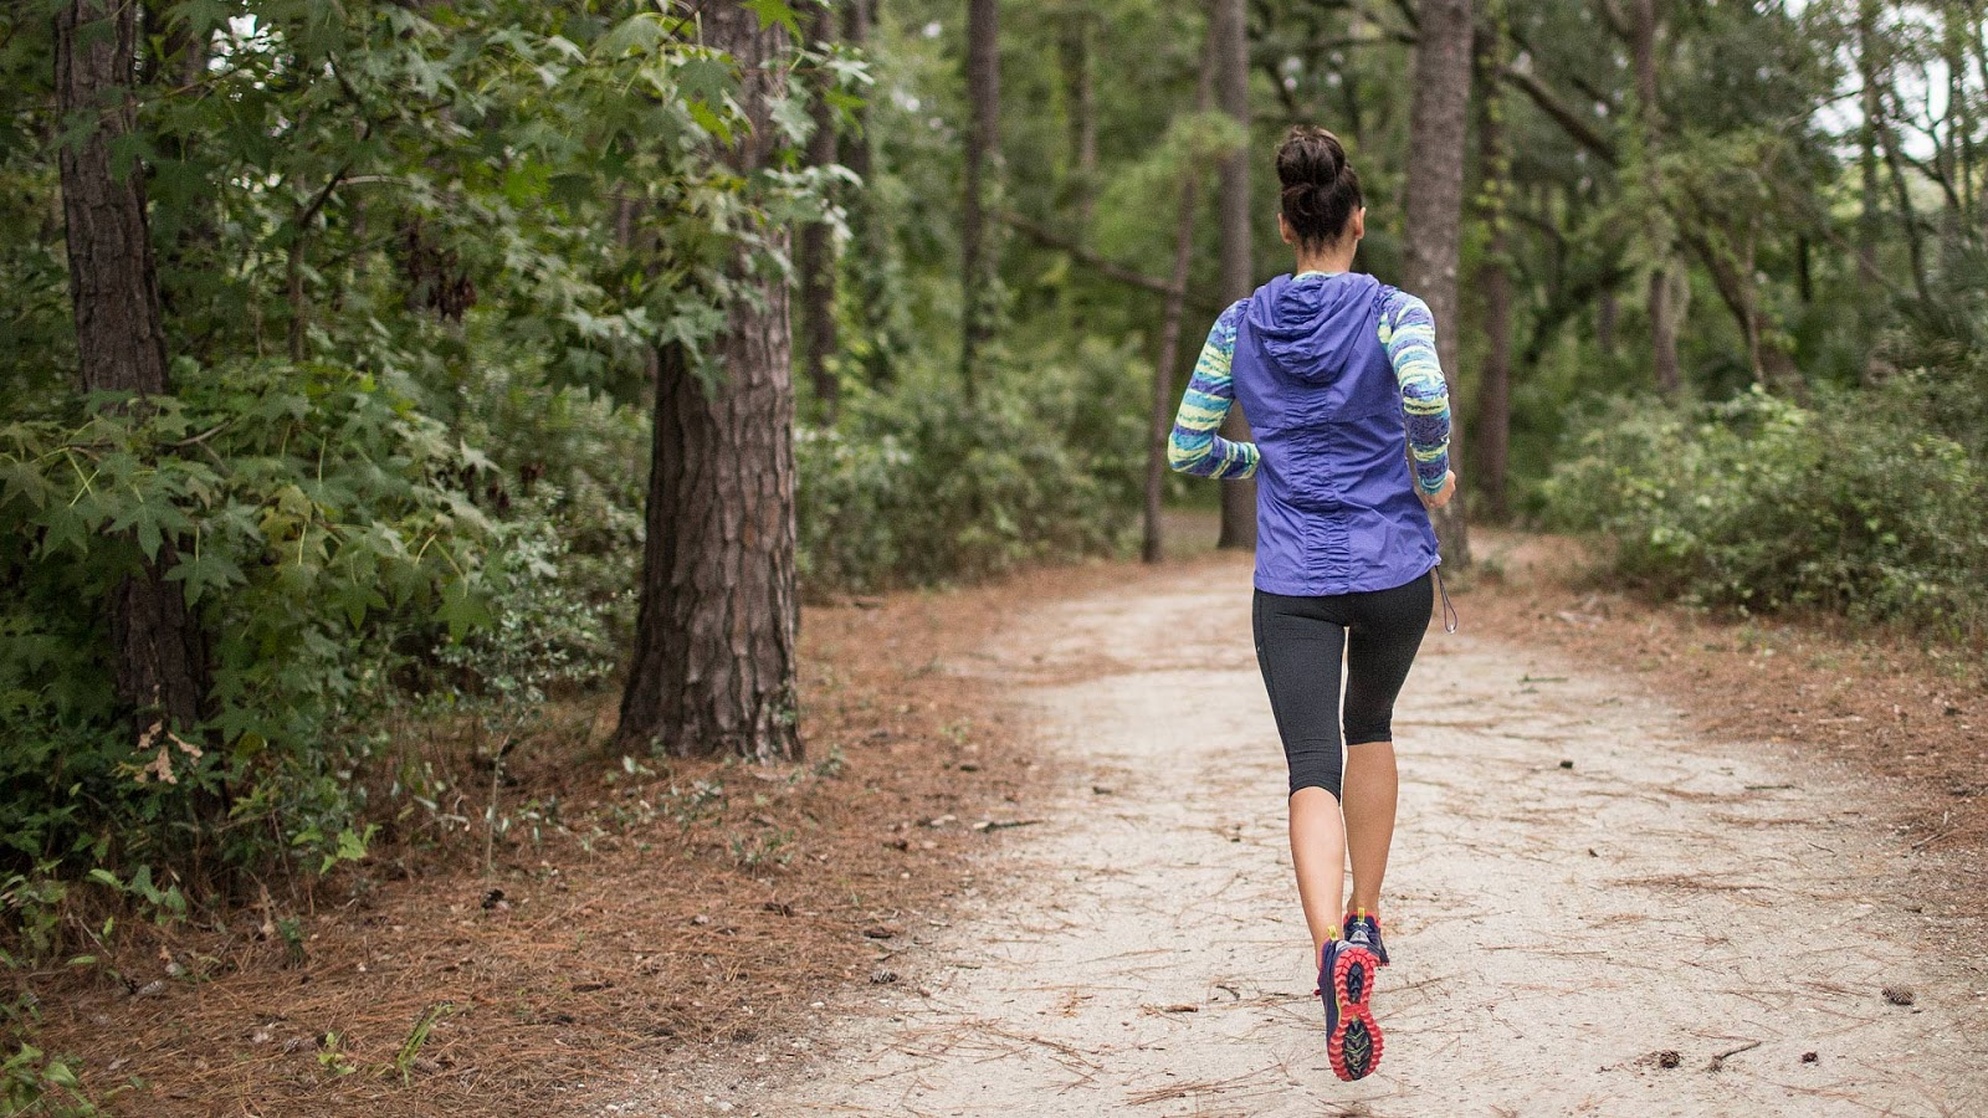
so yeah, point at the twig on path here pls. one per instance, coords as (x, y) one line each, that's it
(1933, 838)
(1719, 1061)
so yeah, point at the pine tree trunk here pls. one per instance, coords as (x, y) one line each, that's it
(161, 662)
(1154, 546)
(871, 238)
(1080, 70)
(1230, 30)
(814, 258)
(983, 140)
(713, 669)
(1434, 209)
(1494, 395)
(1663, 326)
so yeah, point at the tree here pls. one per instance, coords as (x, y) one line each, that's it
(161, 667)
(1494, 392)
(814, 257)
(713, 667)
(979, 268)
(1434, 209)
(1230, 31)
(1663, 328)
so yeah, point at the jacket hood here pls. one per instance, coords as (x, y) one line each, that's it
(1303, 325)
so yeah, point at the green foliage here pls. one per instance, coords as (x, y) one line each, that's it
(914, 488)
(1851, 506)
(32, 1082)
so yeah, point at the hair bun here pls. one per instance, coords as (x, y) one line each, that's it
(1320, 190)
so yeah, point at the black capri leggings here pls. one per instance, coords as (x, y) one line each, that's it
(1299, 642)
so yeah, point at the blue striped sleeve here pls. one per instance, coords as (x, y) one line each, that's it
(1408, 332)
(1194, 447)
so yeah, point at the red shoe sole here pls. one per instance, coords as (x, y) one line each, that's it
(1354, 1048)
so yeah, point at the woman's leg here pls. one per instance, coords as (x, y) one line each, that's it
(1371, 787)
(1318, 854)
(1299, 647)
(1385, 634)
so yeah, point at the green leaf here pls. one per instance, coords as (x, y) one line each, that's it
(771, 12)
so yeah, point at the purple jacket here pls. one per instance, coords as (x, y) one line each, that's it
(1320, 368)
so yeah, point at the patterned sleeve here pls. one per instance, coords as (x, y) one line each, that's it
(1408, 331)
(1194, 447)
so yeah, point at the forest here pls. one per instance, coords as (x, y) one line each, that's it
(371, 364)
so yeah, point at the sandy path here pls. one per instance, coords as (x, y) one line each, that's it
(1553, 928)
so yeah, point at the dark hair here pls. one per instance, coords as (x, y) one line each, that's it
(1321, 190)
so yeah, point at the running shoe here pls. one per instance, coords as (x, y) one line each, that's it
(1365, 928)
(1346, 982)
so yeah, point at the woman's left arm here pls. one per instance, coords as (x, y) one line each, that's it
(1194, 447)
(1408, 331)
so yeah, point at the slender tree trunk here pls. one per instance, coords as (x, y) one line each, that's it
(1870, 223)
(979, 269)
(1433, 213)
(160, 654)
(1663, 325)
(713, 669)
(871, 238)
(1154, 549)
(815, 254)
(1080, 68)
(1230, 31)
(1494, 409)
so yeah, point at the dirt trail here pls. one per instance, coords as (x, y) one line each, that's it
(1554, 928)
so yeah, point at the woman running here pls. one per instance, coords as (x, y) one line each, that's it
(1335, 371)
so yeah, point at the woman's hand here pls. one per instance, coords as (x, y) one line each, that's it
(1441, 496)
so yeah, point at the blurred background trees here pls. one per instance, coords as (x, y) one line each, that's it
(329, 330)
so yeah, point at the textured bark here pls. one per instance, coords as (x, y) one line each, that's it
(1494, 391)
(713, 669)
(814, 257)
(1080, 70)
(1663, 325)
(1153, 548)
(1230, 31)
(983, 142)
(1434, 210)
(161, 668)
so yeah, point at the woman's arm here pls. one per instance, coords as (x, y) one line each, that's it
(1194, 447)
(1408, 331)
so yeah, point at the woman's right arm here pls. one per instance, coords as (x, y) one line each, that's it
(1408, 331)
(1194, 447)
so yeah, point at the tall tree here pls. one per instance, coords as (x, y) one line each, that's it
(1434, 209)
(979, 268)
(1230, 31)
(814, 256)
(1153, 548)
(161, 667)
(1494, 394)
(713, 669)
(1079, 44)
(1663, 327)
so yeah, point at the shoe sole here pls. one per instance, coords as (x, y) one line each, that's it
(1354, 1047)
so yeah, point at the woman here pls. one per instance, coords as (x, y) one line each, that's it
(1335, 372)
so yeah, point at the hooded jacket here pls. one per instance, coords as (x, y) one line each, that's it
(1338, 377)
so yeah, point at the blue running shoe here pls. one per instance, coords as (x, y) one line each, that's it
(1364, 928)
(1346, 983)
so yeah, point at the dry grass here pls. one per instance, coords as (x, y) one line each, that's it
(658, 916)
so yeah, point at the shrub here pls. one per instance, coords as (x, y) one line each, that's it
(1851, 505)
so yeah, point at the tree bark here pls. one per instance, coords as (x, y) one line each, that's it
(1663, 327)
(978, 299)
(160, 653)
(814, 258)
(1494, 394)
(1154, 546)
(870, 262)
(1080, 69)
(1230, 32)
(713, 668)
(1869, 222)
(1437, 119)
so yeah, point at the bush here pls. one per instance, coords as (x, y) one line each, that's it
(1850, 505)
(914, 488)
